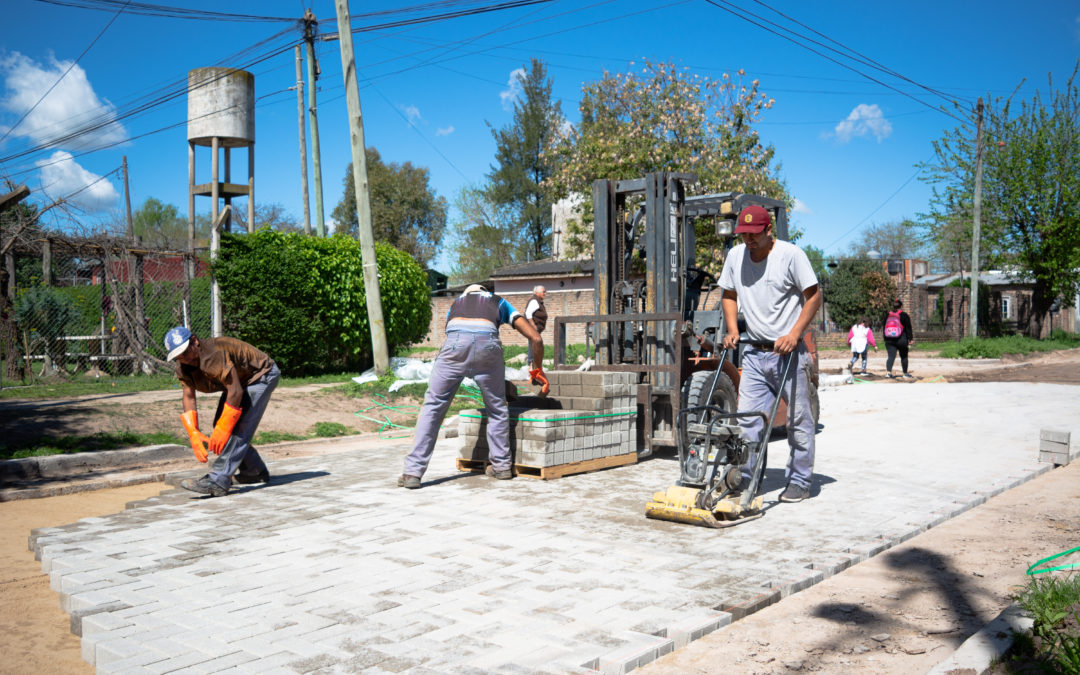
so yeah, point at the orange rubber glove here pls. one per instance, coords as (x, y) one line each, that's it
(190, 420)
(537, 377)
(224, 428)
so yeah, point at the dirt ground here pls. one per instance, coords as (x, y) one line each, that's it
(900, 612)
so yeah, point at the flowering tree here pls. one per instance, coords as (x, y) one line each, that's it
(666, 118)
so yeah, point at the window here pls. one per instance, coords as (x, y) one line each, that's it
(1006, 307)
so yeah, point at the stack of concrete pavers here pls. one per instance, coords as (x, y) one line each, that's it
(586, 417)
(1054, 446)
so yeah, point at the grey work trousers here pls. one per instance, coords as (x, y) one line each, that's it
(475, 355)
(242, 455)
(758, 388)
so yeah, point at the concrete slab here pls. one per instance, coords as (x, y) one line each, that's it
(333, 568)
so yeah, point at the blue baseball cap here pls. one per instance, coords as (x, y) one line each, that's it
(176, 341)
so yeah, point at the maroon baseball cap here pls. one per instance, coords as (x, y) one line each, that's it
(752, 219)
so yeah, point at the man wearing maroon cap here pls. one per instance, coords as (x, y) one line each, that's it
(773, 285)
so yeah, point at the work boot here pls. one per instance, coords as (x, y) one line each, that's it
(250, 479)
(204, 486)
(503, 474)
(794, 493)
(407, 481)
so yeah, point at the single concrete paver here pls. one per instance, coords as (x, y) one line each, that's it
(333, 569)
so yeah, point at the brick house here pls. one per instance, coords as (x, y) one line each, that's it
(569, 285)
(943, 310)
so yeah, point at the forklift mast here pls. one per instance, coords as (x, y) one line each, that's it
(645, 320)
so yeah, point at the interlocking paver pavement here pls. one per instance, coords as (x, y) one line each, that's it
(333, 569)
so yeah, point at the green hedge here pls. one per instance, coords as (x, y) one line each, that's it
(301, 299)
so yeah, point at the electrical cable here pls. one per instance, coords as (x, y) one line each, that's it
(879, 207)
(721, 4)
(61, 78)
(866, 59)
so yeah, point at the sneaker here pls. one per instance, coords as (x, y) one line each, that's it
(407, 481)
(863, 372)
(250, 479)
(890, 376)
(503, 474)
(794, 493)
(909, 376)
(204, 486)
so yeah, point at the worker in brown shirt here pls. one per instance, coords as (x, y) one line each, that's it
(245, 376)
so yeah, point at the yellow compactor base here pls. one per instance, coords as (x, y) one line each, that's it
(679, 504)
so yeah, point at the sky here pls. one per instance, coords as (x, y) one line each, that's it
(847, 146)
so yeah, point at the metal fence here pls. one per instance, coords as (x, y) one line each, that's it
(97, 308)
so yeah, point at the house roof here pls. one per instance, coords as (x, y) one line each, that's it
(546, 268)
(990, 278)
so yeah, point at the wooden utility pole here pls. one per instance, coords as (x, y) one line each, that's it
(303, 141)
(310, 23)
(360, 182)
(977, 215)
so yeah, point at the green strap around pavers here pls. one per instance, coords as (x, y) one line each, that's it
(557, 419)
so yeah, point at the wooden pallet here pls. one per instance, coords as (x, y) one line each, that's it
(557, 471)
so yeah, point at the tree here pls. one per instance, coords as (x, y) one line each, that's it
(273, 216)
(405, 212)
(1031, 192)
(817, 261)
(485, 237)
(525, 162)
(859, 288)
(667, 119)
(160, 225)
(892, 240)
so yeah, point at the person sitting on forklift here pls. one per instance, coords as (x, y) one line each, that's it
(772, 282)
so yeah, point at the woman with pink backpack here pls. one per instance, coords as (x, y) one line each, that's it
(898, 337)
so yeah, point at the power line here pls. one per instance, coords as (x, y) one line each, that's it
(60, 79)
(742, 14)
(879, 207)
(863, 57)
(146, 9)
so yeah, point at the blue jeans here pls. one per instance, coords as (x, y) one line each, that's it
(243, 456)
(855, 357)
(758, 388)
(475, 355)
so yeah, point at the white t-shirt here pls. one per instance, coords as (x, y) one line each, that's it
(770, 292)
(531, 308)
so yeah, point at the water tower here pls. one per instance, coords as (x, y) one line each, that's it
(221, 116)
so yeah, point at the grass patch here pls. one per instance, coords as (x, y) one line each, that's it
(572, 352)
(330, 430)
(994, 348)
(1053, 646)
(73, 444)
(79, 385)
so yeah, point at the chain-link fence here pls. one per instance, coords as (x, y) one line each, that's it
(97, 307)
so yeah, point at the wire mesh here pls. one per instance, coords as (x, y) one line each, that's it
(98, 309)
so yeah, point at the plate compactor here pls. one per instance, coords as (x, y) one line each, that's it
(712, 451)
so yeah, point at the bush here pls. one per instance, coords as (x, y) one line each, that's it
(302, 300)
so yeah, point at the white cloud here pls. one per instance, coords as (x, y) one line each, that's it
(863, 120)
(801, 207)
(513, 89)
(412, 113)
(445, 131)
(70, 106)
(62, 176)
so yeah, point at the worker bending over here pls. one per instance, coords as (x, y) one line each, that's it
(245, 376)
(472, 349)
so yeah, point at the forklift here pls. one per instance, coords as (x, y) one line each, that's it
(656, 315)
